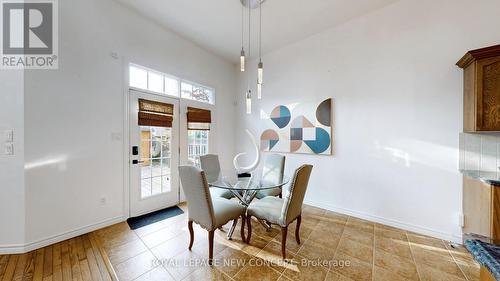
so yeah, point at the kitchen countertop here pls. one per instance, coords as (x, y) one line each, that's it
(486, 177)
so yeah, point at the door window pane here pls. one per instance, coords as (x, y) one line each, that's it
(157, 133)
(146, 169)
(155, 154)
(165, 166)
(155, 82)
(197, 146)
(145, 187)
(156, 186)
(156, 168)
(138, 77)
(155, 149)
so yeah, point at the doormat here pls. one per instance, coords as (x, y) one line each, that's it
(147, 219)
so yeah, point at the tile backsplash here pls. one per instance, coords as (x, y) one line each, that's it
(480, 152)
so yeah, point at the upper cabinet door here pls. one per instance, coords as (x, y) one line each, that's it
(481, 89)
(488, 98)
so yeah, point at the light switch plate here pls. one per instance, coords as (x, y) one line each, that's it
(8, 136)
(9, 149)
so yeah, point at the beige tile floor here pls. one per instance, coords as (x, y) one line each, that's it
(334, 247)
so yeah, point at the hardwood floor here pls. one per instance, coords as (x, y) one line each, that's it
(80, 258)
(369, 251)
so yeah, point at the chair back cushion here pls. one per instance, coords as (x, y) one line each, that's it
(210, 164)
(195, 186)
(292, 206)
(274, 167)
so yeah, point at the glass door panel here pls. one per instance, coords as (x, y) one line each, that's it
(155, 155)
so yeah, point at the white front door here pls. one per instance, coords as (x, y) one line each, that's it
(154, 159)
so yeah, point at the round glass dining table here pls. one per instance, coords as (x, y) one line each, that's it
(245, 189)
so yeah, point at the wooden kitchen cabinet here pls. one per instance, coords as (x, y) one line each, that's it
(481, 207)
(481, 89)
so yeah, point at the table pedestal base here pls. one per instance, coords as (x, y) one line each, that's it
(245, 200)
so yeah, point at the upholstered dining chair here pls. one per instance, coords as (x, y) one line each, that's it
(209, 213)
(272, 172)
(282, 211)
(210, 164)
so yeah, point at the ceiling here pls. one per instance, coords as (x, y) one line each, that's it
(215, 25)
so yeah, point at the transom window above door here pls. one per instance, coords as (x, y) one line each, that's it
(147, 79)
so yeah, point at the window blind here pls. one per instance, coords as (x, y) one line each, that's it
(198, 119)
(156, 114)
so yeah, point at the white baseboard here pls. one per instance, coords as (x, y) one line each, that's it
(12, 249)
(24, 248)
(402, 225)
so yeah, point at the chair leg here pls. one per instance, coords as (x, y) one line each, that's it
(191, 234)
(210, 246)
(243, 219)
(297, 229)
(284, 232)
(249, 225)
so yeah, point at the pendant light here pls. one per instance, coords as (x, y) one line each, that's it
(249, 92)
(249, 102)
(242, 60)
(260, 66)
(242, 54)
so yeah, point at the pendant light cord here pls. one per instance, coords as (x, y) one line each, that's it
(260, 30)
(242, 25)
(249, 35)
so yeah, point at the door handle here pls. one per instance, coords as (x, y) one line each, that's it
(137, 161)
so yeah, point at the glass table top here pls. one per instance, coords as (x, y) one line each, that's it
(249, 183)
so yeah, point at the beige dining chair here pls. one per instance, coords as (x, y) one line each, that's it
(272, 173)
(282, 211)
(211, 165)
(210, 213)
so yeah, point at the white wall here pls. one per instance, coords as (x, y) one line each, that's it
(12, 208)
(71, 113)
(398, 109)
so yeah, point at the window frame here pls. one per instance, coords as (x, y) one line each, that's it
(180, 81)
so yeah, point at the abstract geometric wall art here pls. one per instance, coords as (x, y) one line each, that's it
(310, 130)
(324, 112)
(319, 140)
(281, 116)
(269, 139)
(297, 128)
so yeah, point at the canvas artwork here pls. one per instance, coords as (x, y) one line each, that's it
(299, 128)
